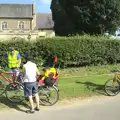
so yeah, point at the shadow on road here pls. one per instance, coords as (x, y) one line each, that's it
(16, 106)
(97, 88)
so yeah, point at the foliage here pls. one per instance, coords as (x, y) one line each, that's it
(71, 51)
(83, 16)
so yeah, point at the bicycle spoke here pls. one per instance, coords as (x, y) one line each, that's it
(14, 92)
(112, 87)
(48, 96)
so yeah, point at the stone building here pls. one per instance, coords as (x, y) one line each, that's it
(22, 20)
(21, 17)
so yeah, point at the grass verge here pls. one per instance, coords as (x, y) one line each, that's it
(76, 82)
(82, 86)
(70, 88)
(88, 70)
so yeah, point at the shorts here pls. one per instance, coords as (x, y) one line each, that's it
(15, 71)
(30, 88)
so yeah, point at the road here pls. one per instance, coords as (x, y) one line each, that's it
(102, 109)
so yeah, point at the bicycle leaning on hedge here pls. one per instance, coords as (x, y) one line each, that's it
(112, 85)
(13, 90)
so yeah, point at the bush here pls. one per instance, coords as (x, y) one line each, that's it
(71, 51)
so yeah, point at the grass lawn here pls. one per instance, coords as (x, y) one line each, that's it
(82, 86)
(86, 85)
(88, 70)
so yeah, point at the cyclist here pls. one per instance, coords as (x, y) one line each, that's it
(30, 72)
(14, 61)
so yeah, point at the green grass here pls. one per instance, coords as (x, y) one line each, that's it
(82, 86)
(89, 82)
(70, 88)
(88, 70)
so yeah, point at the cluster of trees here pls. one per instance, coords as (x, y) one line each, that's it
(85, 16)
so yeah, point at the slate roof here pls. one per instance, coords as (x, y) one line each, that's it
(44, 21)
(16, 10)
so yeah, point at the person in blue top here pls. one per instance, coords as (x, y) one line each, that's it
(14, 60)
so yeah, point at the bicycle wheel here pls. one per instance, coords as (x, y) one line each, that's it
(48, 95)
(3, 84)
(15, 92)
(112, 88)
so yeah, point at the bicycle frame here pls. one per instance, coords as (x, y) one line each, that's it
(117, 76)
(2, 74)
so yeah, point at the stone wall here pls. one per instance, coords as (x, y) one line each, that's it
(33, 34)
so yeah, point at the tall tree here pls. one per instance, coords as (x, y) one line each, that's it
(62, 23)
(85, 16)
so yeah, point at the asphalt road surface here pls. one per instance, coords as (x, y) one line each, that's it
(102, 109)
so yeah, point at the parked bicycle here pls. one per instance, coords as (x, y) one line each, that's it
(14, 90)
(112, 85)
(8, 85)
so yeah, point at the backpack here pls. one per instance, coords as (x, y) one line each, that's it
(49, 81)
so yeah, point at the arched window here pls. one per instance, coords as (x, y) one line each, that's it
(21, 25)
(4, 25)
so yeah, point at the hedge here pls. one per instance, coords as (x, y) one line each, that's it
(71, 51)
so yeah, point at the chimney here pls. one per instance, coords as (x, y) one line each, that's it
(34, 7)
(34, 15)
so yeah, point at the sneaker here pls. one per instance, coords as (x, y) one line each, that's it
(30, 111)
(37, 109)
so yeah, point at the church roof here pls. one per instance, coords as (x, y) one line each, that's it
(44, 21)
(16, 10)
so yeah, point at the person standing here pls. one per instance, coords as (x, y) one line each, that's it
(14, 61)
(30, 72)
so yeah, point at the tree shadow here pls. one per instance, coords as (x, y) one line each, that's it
(16, 106)
(97, 88)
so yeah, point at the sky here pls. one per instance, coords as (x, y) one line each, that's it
(42, 6)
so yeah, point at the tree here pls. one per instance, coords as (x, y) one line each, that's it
(62, 23)
(85, 16)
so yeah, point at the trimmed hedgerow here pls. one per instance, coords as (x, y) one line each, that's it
(78, 50)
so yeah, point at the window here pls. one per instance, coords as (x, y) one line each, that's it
(21, 25)
(4, 25)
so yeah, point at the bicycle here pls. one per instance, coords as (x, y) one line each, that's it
(49, 83)
(17, 87)
(49, 95)
(7, 85)
(112, 85)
